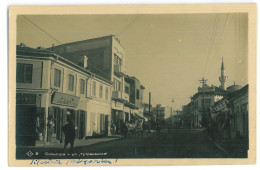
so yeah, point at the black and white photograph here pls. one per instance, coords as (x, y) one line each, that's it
(114, 86)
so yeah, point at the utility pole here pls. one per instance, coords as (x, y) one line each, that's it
(149, 108)
(157, 116)
(203, 81)
(149, 103)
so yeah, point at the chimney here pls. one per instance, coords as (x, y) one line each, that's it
(85, 61)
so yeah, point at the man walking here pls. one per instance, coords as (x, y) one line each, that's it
(69, 131)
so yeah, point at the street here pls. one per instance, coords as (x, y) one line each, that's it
(179, 143)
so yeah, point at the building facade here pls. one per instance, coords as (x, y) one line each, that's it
(230, 114)
(106, 58)
(49, 89)
(201, 102)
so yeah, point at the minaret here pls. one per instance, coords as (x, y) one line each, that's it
(223, 78)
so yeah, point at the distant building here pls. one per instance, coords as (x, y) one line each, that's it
(135, 90)
(162, 112)
(206, 96)
(201, 102)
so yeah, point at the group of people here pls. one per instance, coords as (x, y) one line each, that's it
(126, 128)
(120, 127)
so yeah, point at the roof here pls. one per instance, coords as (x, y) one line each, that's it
(238, 92)
(217, 91)
(233, 88)
(82, 41)
(23, 49)
(41, 52)
(233, 95)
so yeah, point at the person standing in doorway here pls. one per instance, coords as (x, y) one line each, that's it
(69, 132)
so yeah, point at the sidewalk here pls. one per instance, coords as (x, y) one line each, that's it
(235, 148)
(77, 143)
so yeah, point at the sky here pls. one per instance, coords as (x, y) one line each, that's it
(168, 53)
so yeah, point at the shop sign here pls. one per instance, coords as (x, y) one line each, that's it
(25, 98)
(117, 105)
(126, 109)
(65, 99)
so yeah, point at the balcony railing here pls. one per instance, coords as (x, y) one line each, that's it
(119, 70)
(120, 95)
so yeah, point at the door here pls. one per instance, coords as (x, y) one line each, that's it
(82, 124)
(26, 125)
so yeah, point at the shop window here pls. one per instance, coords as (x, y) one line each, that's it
(57, 77)
(24, 73)
(82, 86)
(71, 82)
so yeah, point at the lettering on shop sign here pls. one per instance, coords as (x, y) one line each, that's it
(25, 98)
(65, 99)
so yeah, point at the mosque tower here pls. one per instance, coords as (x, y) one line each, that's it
(223, 77)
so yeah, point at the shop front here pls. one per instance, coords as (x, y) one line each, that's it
(116, 116)
(63, 107)
(29, 119)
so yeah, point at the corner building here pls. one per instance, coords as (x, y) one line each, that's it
(49, 86)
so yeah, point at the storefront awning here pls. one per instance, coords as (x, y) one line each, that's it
(139, 116)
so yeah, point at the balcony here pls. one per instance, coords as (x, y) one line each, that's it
(120, 95)
(119, 70)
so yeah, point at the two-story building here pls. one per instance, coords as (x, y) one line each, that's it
(202, 100)
(51, 88)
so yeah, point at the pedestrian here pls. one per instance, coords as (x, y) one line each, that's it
(123, 129)
(69, 132)
(50, 129)
(113, 129)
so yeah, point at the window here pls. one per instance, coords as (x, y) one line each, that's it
(82, 86)
(126, 89)
(57, 77)
(24, 73)
(137, 93)
(117, 61)
(207, 103)
(93, 88)
(86, 88)
(71, 82)
(106, 93)
(101, 91)
(117, 85)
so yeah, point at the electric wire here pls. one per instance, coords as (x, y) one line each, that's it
(61, 44)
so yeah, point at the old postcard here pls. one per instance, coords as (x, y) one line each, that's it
(132, 85)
